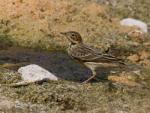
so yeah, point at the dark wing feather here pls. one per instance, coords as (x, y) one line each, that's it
(85, 53)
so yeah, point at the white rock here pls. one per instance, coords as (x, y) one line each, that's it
(33, 73)
(134, 22)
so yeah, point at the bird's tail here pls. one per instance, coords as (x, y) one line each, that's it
(114, 59)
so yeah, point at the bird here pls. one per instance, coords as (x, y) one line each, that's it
(87, 55)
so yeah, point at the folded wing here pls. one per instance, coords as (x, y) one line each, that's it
(85, 53)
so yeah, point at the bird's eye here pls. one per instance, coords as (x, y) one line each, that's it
(73, 34)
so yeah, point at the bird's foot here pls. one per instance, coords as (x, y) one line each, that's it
(96, 79)
(87, 81)
(84, 82)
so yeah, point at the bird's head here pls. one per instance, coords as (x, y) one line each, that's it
(73, 36)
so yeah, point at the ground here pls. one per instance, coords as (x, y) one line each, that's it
(30, 34)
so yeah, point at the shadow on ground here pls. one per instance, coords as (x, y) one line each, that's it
(59, 63)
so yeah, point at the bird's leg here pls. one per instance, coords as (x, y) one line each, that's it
(93, 75)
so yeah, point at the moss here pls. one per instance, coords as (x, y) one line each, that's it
(146, 75)
(5, 41)
(8, 77)
(138, 9)
(69, 96)
(44, 33)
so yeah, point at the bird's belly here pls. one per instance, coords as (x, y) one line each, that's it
(98, 64)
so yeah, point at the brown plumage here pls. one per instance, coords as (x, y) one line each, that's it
(87, 55)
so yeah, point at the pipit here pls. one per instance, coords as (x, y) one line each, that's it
(90, 57)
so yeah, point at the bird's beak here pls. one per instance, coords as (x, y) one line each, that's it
(63, 33)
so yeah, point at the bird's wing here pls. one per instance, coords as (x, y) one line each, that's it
(85, 53)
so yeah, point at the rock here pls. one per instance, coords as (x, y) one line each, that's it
(12, 66)
(141, 57)
(134, 22)
(136, 35)
(134, 58)
(144, 55)
(122, 80)
(146, 43)
(132, 43)
(126, 78)
(137, 72)
(33, 73)
(145, 62)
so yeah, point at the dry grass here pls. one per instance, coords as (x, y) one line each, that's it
(63, 96)
(39, 25)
